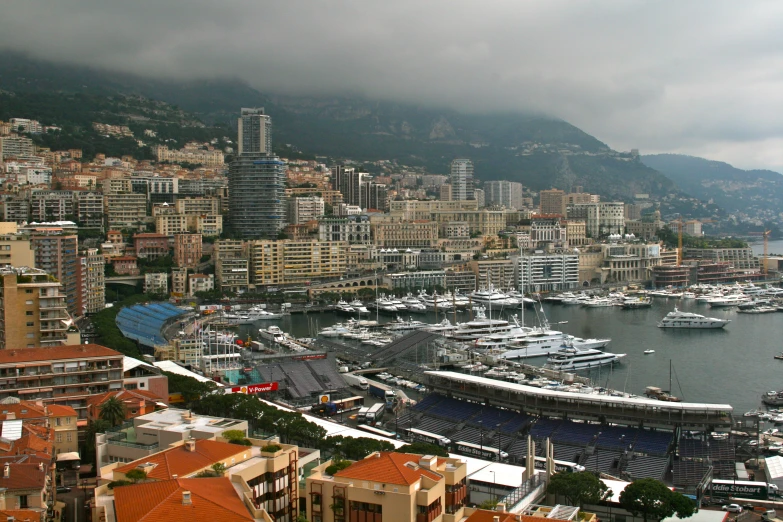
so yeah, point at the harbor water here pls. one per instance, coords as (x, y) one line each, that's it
(733, 366)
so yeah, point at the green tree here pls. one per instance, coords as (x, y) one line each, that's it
(651, 498)
(93, 428)
(424, 448)
(113, 411)
(219, 468)
(578, 488)
(136, 475)
(232, 435)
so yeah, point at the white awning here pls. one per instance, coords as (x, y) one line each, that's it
(70, 456)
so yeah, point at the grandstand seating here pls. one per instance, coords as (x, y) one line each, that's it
(454, 409)
(575, 433)
(490, 417)
(652, 442)
(428, 402)
(567, 452)
(474, 436)
(544, 428)
(616, 437)
(641, 466)
(517, 423)
(438, 426)
(143, 323)
(606, 461)
(688, 472)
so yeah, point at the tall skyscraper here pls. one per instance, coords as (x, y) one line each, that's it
(506, 193)
(256, 180)
(255, 131)
(553, 201)
(256, 195)
(461, 179)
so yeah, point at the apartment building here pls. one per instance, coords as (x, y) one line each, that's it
(139, 375)
(547, 229)
(126, 210)
(65, 375)
(90, 282)
(498, 273)
(405, 234)
(200, 283)
(352, 229)
(16, 210)
(601, 219)
(16, 250)
(187, 250)
(179, 281)
(302, 209)
(51, 205)
(485, 222)
(412, 210)
(170, 224)
(156, 283)
(741, 258)
(295, 262)
(33, 310)
(150, 246)
(455, 230)
(576, 232)
(89, 208)
(204, 224)
(552, 201)
(231, 265)
(196, 156)
(331, 197)
(506, 193)
(197, 205)
(12, 147)
(389, 486)
(547, 271)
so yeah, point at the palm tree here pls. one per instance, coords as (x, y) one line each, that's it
(113, 411)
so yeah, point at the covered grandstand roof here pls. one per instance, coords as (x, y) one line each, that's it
(304, 378)
(582, 397)
(172, 367)
(143, 323)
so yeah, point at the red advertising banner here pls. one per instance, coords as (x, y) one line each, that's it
(254, 388)
(309, 357)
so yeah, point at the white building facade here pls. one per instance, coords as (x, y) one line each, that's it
(539, 271)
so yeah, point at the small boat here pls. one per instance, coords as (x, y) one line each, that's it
(648, 352)
(779, 356)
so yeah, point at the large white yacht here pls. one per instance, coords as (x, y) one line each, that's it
(435, 301)
(479, 327)
(571, 358)
(493, 299)
(413, 305)
(728, 301)
(678, 319)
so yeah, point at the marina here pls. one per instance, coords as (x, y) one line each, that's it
(738, 357)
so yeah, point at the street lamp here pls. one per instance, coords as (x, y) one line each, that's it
(492, 491)
(500, 442)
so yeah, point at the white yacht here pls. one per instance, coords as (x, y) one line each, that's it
(688, 295)
(275, 336)
(336, 330)
(493, 299)
(571, 358)
(520, 296)
(413, 305)
(359, 307)
(396, 302)
(728, 301)
(444, 327)
(263, 315)
(634, 302)
(384, 305)
(479, 327)
(343, 308)
(598, 302)
(435, 301)
(678, 319)
(399, 325)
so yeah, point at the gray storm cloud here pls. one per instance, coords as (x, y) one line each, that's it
(699, 77)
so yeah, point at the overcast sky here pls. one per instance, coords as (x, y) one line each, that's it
(688, 76)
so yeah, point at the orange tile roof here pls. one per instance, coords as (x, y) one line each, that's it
(181, 462)
(23, 476)
(23, 410)
(58, 410)
(388, 467)
(55, 353)
(211, 499)
(21, 515)
(486, 515)
(125, 396)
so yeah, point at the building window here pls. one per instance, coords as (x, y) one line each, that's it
(23, 502)
(69, 437)
(58, 437)
(30, 323)
(28, 291)
(29, 312)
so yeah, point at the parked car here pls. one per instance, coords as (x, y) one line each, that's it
(732, 508)
(63, 489)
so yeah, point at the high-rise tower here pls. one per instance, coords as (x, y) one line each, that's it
(461, 179)
(255, 131)
(256, 180)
